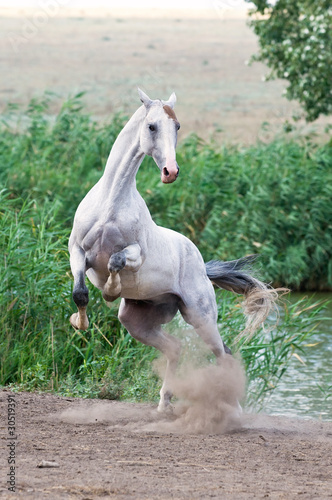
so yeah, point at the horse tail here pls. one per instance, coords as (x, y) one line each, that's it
(260, 299)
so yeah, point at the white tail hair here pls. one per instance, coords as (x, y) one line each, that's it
(260, 299)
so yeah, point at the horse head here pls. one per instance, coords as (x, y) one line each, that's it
(159, 135)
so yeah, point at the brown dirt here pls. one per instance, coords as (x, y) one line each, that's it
(108, 449)
(202, 59)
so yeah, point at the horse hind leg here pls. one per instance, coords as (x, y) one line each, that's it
(143, 321)
(199, 309)
(203, 317)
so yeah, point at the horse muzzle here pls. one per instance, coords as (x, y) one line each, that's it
(170, 172)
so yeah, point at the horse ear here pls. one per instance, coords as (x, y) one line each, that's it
(171, 101)
(144, 98)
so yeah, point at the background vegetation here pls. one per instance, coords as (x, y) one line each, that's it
(271, 199)
(296, 44)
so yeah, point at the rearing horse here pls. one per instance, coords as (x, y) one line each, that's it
(156, 271)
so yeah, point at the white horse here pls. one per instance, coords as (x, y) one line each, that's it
(156, 271)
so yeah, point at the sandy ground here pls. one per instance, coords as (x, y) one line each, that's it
(107, 54)
(108, 449)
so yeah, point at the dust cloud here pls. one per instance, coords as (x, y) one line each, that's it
(206, 399)
(115, 413)
(205, 402)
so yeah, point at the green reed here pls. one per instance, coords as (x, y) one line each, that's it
(270, 199)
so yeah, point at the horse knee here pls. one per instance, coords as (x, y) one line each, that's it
(117, 262)
(81, 296)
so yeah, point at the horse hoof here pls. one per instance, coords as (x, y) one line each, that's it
(79, 323)
(112, 288)
(165, 405)
(73, 320)
(236, 414)
(165, 402)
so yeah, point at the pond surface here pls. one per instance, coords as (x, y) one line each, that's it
(306, 390)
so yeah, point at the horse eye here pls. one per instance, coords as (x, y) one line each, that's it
(152, 128)
(178, 126)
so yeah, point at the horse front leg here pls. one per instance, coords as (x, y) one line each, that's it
(166, 391)
(79, 320)
(130, 258)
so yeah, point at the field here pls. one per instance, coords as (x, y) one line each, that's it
(202, 58)
(124, 451)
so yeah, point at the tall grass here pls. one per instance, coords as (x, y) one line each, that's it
(271, 199)
(54, 159)
(39, 350)
(38, 347)
(229, 201)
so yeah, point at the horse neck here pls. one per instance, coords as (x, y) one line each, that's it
(124, 160)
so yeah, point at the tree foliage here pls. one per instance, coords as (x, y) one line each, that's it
(295, 41)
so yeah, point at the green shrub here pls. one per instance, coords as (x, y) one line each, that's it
(270, 199)
(295, 42)
(273, 199)
(54, 160)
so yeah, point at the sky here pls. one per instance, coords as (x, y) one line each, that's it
(166, 4)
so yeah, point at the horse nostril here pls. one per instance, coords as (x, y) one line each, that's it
(177, 173)
(165, 172)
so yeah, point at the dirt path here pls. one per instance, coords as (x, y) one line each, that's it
(108, 449)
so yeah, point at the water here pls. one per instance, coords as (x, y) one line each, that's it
(298, 393)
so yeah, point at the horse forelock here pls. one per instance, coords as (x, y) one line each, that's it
(170, 112)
